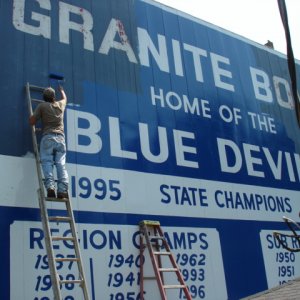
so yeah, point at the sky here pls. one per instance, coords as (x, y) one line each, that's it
(257, 20)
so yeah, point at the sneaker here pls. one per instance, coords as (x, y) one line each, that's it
(62, 195)
(51, 193)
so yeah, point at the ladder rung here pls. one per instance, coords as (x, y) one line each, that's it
(174, 286)
(149, 223)
(57, 199)
(37, 100)
(62, 238)
(161, 253)
(156, 237)
(168, 269)
(149, 277)
(36, 88)
(66, 259)
(71, 281)
(60, 219)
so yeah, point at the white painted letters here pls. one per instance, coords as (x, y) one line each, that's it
(66, 25)
(44, 27)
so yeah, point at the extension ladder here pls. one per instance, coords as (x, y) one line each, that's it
(46, 219)
(152, 237)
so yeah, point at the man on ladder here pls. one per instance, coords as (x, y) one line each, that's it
(53, 146)
(53, 150)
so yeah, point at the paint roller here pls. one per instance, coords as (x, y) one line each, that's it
(58, 78)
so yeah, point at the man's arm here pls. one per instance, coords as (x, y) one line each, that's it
(63, 94)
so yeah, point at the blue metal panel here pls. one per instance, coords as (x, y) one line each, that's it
(181, 92)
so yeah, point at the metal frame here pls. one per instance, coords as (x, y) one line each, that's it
(279, 235)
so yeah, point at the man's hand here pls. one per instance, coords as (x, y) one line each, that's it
(32, 120)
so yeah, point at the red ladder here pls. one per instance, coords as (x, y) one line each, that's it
(158, 247)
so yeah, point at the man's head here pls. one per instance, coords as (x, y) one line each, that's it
(49, 94)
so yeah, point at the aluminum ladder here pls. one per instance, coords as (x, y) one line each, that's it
(152, 237)
(46, 219)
